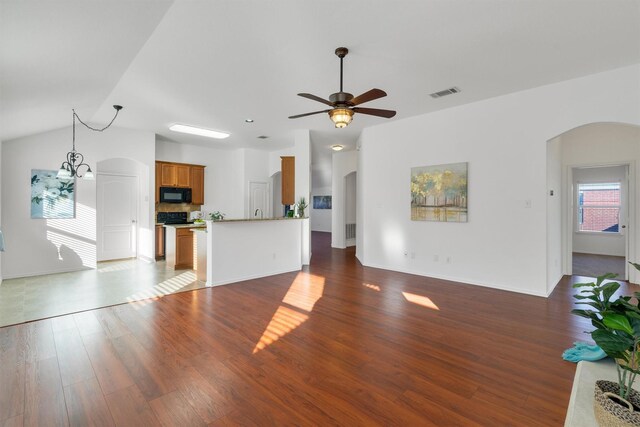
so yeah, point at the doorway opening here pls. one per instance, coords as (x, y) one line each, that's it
(350, 193)
(599, 220)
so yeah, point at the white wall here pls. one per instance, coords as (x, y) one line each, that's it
(344, 163)
(504, 139)
(39, 246)
(0, 209)
(554, 213)
(320, 218)
(223, 174)
(601, 244)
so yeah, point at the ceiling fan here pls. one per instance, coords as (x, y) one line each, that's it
(344, 105)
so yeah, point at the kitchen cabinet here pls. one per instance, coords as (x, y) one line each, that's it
(288, 173)
(159, 241)
(197, 185)
(184, 248)
(182, 175)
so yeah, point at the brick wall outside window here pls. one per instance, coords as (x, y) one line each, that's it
(596, 213)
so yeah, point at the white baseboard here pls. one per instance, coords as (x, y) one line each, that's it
(251, 277)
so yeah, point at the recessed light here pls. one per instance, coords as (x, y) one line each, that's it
(262, 137)
(199, 131)
(337, 147)
(248, 120)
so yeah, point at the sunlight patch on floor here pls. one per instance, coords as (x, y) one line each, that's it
(420, 300)
(371, 286)
(304, 292)
(167, 287)
(283, 321)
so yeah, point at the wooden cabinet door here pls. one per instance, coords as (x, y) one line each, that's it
(184, 248)
(158, 180)
(288, 168)
(168, 176)
(197, 185)
(183, 176)
(159, 241)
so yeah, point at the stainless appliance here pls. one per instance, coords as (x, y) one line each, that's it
(175, 195)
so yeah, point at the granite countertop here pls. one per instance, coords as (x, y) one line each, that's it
(255, 219)
(200, 225)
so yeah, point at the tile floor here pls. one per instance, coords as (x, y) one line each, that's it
(113, 282)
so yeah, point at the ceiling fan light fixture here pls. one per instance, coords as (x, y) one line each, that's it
(337, 147)
(341, 117)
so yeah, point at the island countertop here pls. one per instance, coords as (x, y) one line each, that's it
(200, 225)
(252, 219)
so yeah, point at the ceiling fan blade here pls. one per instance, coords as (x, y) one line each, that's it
(375, 112)
(368, 96)
(316, 98)
(308, 114)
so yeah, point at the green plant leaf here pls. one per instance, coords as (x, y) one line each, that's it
(617, 322)
(606, 276)
(637, 266)
(612, 344)
(583, 313)
(583, 285)
(609, 289)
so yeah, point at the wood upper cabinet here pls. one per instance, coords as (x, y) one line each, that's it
(184, 248)
(168, 177)
(288, 169)
(197, 185)
(181, 175)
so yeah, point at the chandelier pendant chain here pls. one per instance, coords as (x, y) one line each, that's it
(70, 167)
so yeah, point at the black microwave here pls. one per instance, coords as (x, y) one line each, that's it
(175, 195)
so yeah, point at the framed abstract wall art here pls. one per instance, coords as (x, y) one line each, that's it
(439, 193)
(321, 202)
(51, 197)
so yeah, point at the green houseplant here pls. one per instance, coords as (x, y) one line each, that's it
(301, 205)
(616, 325)
(216, 216)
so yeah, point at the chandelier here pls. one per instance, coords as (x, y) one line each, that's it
(70, 168)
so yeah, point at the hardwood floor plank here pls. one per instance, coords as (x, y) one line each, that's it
(44, 396)
(12, 381)
(87, 323)
(173, 410)
(150, 374)
(129, 408)
(39, 341)
(86, 405)
(16, 421)
(110, 371)
(203, 396)
(63, 323)
(75, 365)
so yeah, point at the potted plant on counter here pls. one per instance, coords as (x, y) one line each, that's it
(617, 332)
(216, 216)
(301, 205)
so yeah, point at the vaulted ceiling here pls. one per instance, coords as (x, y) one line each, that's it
(214, 63)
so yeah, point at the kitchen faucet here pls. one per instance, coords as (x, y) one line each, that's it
(256, 213)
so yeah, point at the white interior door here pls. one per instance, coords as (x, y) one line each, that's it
(117, 216)
(259, 205)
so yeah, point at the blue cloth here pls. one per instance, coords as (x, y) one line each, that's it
(583, 351)
(1, 242)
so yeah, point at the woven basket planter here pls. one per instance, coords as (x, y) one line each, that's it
(610, 413)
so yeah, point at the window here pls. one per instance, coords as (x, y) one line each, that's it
(599, 207)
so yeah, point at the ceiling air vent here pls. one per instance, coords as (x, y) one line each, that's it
(445, 92)
(263, 137)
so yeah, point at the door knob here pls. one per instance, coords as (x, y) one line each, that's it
(624, 226)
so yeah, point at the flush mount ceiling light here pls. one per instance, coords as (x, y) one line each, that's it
(199, 131)
(248, 120)
(70, 168)
(343, 104)
(337, 147)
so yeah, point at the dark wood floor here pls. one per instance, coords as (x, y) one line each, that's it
(336, 344)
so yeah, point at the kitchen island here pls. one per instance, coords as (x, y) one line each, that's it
(243, 249)
(179, 248)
